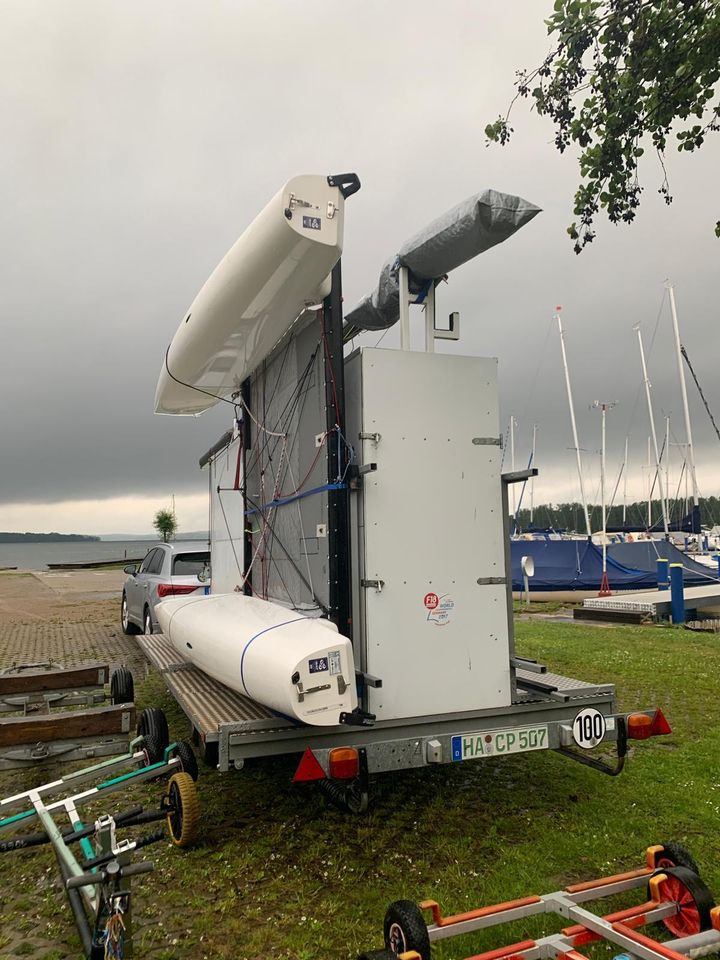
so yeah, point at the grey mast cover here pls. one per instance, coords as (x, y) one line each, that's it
(470, 228)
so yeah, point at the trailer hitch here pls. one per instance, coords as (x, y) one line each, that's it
(601, 765)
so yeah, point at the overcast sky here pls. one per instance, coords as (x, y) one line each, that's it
(140, 139)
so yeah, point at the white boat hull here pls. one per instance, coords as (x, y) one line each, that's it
(300, 667)
(278, 267)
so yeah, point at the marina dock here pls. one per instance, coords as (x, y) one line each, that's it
(653, 603)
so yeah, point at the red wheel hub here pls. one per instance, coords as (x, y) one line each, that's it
(687, 920)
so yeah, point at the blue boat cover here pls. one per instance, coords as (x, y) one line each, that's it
(573, 565)
(644, 554)
(577, 565)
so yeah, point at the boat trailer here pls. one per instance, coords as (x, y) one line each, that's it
(674, 896)
(97, 880)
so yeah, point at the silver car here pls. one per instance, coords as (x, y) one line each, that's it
(168, 570)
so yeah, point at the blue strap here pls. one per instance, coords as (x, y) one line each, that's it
(296, 496)
(253, 639)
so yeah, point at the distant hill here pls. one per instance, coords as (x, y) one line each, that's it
(46, 538)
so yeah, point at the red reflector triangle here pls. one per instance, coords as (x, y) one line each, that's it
(309, 768)
(659, 724)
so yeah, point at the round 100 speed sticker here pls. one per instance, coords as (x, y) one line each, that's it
(588, 728)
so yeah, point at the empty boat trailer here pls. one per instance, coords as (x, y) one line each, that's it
(364, 486)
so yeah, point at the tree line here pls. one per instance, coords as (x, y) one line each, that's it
(569, 516)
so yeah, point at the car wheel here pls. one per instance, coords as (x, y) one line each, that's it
(127, 625)
(147, 621)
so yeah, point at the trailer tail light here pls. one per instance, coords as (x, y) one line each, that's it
(640, 726)
(175, 589)
(309, 768)
(343, 763)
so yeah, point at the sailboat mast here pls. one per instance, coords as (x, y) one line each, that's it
(695, 525)
(663, 504)
(572, 420)
(532, 479)
(649, 485)
(683, 391)
(625, 471)
(667, 463)
(512, 459)
(604, 407)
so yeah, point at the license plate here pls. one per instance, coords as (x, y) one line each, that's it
(473, 746)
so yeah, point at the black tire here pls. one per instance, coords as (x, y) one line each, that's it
(405, 929)
(122, 687)
(153, 723)
(147, 622)
(127, 625)
(377, 955)
(676, 855)
(694, 899)
(186, 755)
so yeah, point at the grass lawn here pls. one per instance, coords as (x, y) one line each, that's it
(279, 875)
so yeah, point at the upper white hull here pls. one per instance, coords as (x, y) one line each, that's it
(279, 266)
(298, 666)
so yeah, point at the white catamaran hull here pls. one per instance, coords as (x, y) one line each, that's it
(300, 667)
(278, 267)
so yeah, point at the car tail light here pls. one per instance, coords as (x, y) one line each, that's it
(309, 768)
(343, 763)
(175, 589)
(640, 726)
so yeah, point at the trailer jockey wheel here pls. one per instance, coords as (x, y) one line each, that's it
(405, 929)
(183, 809)
(693, 899)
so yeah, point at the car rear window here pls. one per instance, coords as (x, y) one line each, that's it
(187, 564)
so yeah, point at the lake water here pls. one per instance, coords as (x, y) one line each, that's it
(36, 556)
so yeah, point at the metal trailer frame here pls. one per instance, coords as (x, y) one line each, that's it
(231, 728)
(97, 887)
(673, 891)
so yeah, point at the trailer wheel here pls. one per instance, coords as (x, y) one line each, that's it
(122, 687)
(405, 929)
(676, 855)
(693, 899)
(153, 723)
(184, 752)
(183, 817)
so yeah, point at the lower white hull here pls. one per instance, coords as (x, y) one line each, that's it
(298, 666)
